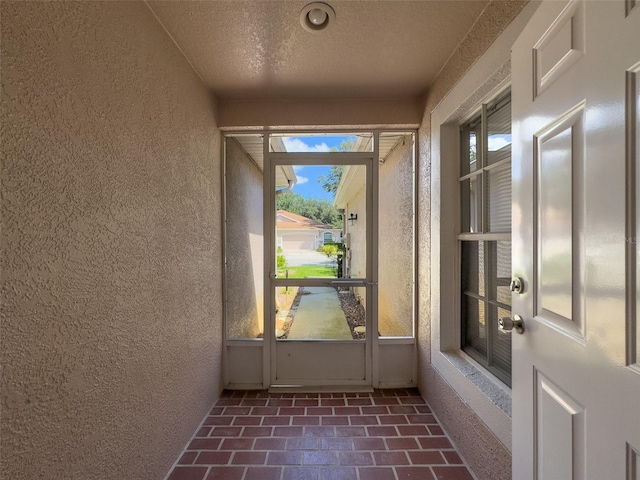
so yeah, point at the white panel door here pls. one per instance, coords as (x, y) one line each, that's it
(576, 377)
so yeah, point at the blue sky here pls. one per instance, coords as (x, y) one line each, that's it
(308, 185)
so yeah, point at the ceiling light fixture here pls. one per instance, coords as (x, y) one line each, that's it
(316, 16)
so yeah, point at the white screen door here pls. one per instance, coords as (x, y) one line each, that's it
(576, 377)
(320, 280)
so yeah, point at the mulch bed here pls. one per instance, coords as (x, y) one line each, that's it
(354, 312)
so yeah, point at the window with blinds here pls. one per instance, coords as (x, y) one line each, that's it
(485, 238)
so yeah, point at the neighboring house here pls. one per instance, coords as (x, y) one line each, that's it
(295, 232)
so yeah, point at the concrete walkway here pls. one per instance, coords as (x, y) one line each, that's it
(319, 316)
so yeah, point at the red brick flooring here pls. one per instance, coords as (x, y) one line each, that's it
(385, 435)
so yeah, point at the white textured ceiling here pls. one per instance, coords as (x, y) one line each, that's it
(374, 49)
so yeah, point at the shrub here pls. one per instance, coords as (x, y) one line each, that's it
(281, 261)
(329, 250)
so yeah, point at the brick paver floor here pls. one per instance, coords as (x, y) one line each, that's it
(384, 435)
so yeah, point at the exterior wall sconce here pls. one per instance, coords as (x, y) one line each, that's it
(352, 218)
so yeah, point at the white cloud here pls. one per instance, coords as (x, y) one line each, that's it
(301, 180)
(297, 145)
(297, 168)
(497, 142)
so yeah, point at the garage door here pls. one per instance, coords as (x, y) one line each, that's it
(297, 242)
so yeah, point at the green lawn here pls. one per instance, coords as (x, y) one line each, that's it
(307, 271)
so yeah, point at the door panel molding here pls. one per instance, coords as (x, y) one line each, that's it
(558, 205)
(633, 463)
(559, 432)
(632, 120)
(559, 48)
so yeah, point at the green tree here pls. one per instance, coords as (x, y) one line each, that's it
(316, 209)
(331, 181)
(345, 145)
(291, 202)
(331, 251)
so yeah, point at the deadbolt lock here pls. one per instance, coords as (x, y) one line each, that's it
(516, 285)
(507, 325)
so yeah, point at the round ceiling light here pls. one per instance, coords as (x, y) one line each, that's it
(316, 16)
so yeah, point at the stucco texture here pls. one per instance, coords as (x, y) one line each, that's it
(488, 458)
(244, 244)
(396, 241)
(356, 252)
(111, 267)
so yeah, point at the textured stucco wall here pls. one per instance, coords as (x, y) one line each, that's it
(111, 266)
(403, 113)
(244, 244)
(356, 255)
(396, 240)
(484, 452)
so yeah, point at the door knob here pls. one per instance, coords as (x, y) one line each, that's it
(507, 325)
(516, 285)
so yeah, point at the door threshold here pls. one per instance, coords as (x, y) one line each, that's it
(320, 389)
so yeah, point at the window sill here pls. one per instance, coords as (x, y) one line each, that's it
(483, 381)
(489, 401)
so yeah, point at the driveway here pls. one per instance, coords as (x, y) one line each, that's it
(297, 258)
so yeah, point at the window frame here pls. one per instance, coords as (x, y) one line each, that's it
(488, 399)
(483, 235)
(485, 396)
